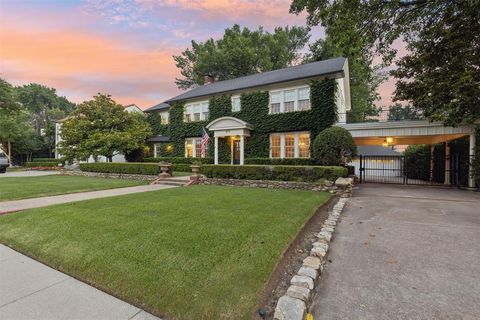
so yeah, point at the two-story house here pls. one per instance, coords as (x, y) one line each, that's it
(274, 114)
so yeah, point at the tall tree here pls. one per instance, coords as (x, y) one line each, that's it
(364, 80)
(14, 122)
(46, 108)
(240, 52)
(441, 74)
(374, 25)
(102, 127)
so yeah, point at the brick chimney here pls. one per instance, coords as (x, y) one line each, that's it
(208, 80)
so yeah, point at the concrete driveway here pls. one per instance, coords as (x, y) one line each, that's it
(404, 252)
(29, 173)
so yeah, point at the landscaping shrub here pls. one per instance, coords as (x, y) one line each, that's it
(282, 162)
(42, 164)
(179, 160)
(334, 147)
(282, 173)
(126, 168)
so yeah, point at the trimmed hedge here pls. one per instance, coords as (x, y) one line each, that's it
(181, 160)
(131, 167)
(282, 173)
(282, 162)
(42, 164)
(119, 167)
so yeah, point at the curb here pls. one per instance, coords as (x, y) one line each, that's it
(293, 305)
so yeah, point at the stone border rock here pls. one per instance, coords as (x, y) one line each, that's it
(125, 176)
(293, 305)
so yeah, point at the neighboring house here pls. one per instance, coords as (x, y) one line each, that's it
(117, 158)
(382, 161)
(132, 108)
(274, 114)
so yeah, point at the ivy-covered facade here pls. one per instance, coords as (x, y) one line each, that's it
(270, 121)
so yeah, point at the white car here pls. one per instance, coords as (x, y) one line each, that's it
(4, 163)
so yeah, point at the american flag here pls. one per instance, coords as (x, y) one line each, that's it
(205, 139)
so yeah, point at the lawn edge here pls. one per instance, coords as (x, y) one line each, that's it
(279, 277)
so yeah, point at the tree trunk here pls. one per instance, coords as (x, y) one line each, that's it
(10, 152)
(109, 158)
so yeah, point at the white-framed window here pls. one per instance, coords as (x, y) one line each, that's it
(290, 145)
(197, 111)
(164, 117)
(193, 148)
(236, 104)
(289, 100)
(157, 153)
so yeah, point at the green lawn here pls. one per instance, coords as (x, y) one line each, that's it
(14, 188)
(201, 252)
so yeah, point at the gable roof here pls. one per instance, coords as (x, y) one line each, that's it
(376, 151)
(158, 107)
(303, 71)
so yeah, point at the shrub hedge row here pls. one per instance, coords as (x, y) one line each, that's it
(42, 164)
(181, 160)
(131, 167)
(282, 173)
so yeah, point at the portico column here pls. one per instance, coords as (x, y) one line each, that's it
(447, 163)
(471, 178)
(242, 148)
(216, 150)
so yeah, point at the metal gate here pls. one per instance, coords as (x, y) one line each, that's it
(400, 170)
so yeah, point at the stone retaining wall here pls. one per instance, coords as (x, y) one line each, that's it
(325, 186)
(125, 176)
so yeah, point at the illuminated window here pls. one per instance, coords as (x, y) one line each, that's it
(289, 145)
(304, 145)
(236, 104)
(193, 148)
(275, 146)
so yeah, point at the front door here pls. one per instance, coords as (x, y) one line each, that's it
(236, 152)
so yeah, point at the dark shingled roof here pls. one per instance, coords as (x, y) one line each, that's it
(376, 151)
(159, 139)
(158, 107)
(303, 71)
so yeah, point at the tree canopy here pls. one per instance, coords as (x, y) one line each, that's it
(364, 80)
(102, 127)
(437, 32)
(240, 52)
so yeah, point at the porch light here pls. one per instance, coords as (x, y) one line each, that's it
(389, 140)
(169, 147)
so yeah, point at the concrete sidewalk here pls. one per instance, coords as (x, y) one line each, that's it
(17, 205)
(28, 173)
(31, 290)
(404, 252)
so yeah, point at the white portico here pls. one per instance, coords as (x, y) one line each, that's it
(234, 129)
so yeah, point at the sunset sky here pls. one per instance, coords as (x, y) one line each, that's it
(120, 47)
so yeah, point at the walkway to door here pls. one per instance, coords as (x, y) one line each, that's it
(404, 253)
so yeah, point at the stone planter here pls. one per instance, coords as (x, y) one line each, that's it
(195, 169)
(165, 169)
